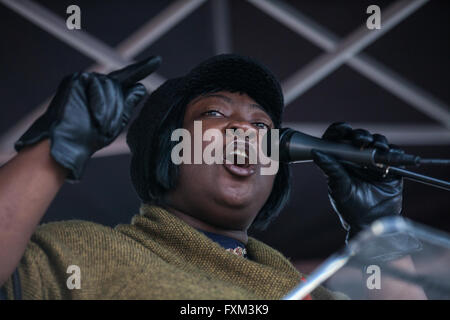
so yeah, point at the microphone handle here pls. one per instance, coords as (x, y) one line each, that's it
(297, 146)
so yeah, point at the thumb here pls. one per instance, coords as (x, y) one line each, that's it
(338, 178)
(133, 97)
(135, 72)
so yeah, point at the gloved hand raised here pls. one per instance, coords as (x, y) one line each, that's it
(88, 112)
(358, 195)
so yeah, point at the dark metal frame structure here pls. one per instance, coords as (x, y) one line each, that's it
(337, 52)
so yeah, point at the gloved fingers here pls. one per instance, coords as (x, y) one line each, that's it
(133, 73)
(133, 96)
(380, 142)
(115, 104)
(61, 94)
(105, 103)
(361, 138)
(338, 131)
(96, 101)
(338, 178)
(110, 108)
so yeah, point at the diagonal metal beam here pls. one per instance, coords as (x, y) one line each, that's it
(407, 91)
(80, 40)
(369, 67)
(139, 40)
(321, 67)
(158, 26)
(154, 29)
(221, 26)
(293, 19)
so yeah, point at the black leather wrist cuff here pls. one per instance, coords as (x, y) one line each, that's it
(70, 158)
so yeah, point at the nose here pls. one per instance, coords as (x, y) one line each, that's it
(242, 135)
(239, 124)
(241, 129)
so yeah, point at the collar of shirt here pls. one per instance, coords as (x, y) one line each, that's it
(229, 244)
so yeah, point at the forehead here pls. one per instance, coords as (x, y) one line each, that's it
(229, 98)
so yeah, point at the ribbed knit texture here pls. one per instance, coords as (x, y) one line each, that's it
(157, 256)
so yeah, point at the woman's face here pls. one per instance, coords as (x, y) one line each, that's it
(222, 195)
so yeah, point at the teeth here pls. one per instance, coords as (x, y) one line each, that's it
(237, 148)
(239, 153)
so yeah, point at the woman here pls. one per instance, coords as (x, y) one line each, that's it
(190, 239)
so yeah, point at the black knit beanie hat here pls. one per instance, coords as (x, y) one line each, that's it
(165, 108)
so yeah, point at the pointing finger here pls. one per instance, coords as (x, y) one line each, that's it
(133, 73)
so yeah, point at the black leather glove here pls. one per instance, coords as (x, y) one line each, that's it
(87, 113)
(361, 195)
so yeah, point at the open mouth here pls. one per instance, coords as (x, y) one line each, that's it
(238, 158)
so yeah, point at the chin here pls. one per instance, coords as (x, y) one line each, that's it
(237, 198)
(236, 203)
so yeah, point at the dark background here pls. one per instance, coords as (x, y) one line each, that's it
(32, 63)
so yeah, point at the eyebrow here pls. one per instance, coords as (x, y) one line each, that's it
(216, 95)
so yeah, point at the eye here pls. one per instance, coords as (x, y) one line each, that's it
(212, 113)
(261, 125)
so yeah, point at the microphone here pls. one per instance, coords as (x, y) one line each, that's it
(296, 146)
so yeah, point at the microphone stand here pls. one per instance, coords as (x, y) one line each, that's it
(303, 144)
(410, 175)
(407, 174)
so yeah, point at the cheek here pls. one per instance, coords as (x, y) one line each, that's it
(202, 145)
(265, 184)
(195, 178)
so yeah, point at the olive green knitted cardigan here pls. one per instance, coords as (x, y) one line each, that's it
(157, 256)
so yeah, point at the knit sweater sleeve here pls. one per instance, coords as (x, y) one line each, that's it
(44, 271)
(35, 275)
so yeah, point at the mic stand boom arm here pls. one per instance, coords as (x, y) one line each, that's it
(410, 175)
(296, 146)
